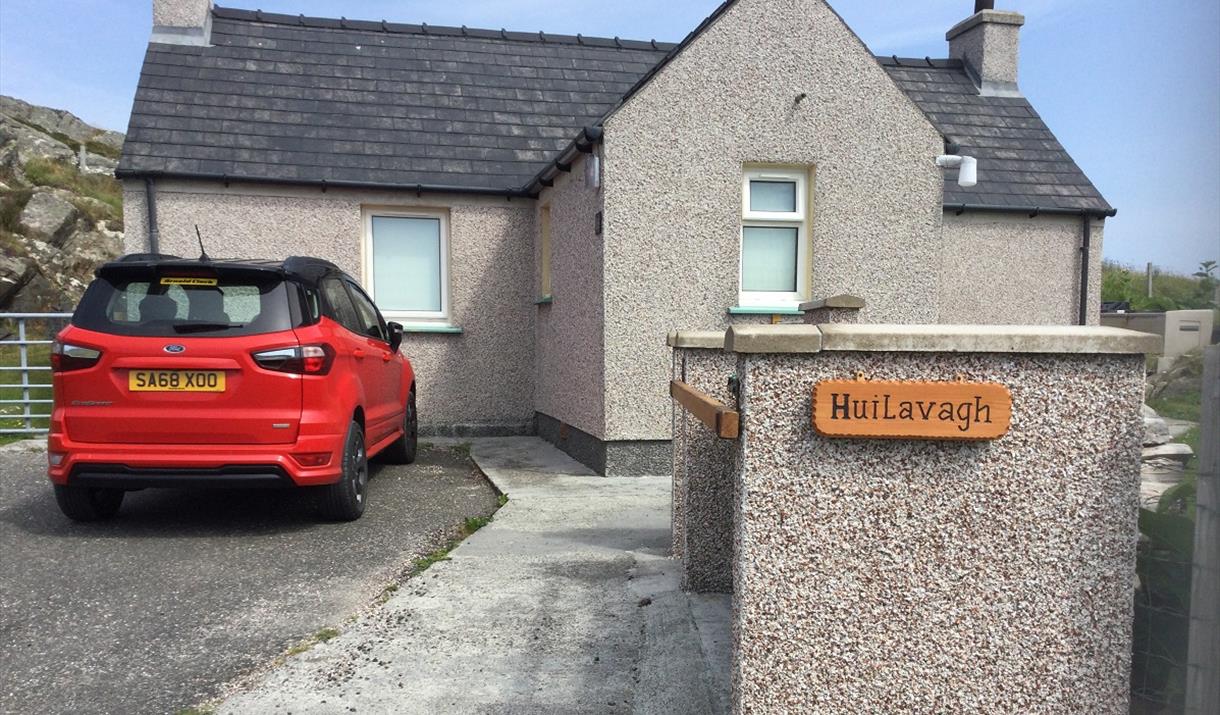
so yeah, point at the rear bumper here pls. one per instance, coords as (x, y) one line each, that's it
(136, 466)
(119, 476)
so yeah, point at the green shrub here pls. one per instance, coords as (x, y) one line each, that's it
(44, 172)
(1170, 291)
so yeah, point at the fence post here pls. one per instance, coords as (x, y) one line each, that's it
(24, 373)
(1203, 662)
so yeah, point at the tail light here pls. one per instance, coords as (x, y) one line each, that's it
(66, 357)
(300, 360)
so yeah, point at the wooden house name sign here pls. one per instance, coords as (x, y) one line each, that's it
(911, 410)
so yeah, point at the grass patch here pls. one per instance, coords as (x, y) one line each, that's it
(473, 524)
(107, 189)
(12, 203)
(321, 636)
(469, 525)
(197, 710)
(1179, 407)
(462, 449)
(91, 146)
(502, 499)
(426, 561)
(11, 245)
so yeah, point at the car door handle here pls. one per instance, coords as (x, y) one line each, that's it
(358, 354)
(386, 357)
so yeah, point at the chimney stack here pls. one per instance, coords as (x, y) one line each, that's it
(182, 22)
(988, 45)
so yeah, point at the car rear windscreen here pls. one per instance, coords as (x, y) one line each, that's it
(163, 304)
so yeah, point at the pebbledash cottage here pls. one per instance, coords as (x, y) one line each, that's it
(541, 210)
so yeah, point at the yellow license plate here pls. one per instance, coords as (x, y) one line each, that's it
(176, 381)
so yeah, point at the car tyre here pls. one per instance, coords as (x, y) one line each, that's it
(88, 503)
(403, 450)
(345, 499)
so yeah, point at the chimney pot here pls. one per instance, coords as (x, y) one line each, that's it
(981, 5)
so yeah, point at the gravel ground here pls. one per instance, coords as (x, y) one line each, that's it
(185, 591)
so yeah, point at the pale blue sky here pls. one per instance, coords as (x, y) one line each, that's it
(1130, 87)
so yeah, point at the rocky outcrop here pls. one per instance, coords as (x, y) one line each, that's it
(58, 220)
(49, 216)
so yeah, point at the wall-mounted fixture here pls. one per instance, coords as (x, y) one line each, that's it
(967, 168)
(593, 170)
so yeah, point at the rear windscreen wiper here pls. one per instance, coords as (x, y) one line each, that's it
(203, 327)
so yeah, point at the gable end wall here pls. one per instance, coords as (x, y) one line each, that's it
(674, 157)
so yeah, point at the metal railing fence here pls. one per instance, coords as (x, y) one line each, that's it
(25, 370)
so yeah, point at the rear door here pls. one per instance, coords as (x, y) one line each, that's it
(385, 391)
(177, 362)
(359, 351)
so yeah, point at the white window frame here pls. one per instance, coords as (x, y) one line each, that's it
(366, 244)
(798, 219)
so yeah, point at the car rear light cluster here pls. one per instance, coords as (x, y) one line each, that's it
(301, 360)
(66, 357)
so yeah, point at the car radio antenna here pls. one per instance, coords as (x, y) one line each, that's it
(203, 255)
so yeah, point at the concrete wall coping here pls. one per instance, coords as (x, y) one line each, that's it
(781, 338)
(842, 300)
(1000, 17)
(939, 338)
(707, 339)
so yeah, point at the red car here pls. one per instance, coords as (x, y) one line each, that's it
(200, 373)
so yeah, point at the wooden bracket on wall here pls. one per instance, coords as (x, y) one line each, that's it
(725, 422)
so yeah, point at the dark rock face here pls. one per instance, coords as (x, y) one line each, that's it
(59, 215)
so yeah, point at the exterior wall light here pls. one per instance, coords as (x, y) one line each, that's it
(967, 166)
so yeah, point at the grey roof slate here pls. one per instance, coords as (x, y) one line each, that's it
(283, 98)
(294, 99)
(1021, 163)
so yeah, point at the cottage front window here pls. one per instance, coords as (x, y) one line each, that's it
(406, 263)
(774, 238)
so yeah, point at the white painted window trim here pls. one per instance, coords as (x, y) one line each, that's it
(798, 219)
(366, 261)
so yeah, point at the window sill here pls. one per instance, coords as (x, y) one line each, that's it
(545, 300)
(431, 328)
(765, 310)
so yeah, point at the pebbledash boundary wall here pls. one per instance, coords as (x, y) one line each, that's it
(876, 572)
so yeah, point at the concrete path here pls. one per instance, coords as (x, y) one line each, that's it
(566, 603)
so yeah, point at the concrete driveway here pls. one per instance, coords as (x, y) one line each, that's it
(154, 611)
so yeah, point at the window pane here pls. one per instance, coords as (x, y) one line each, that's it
(768, 259)
(779, 196)
(370, 322)
(341, 304)
(407, 263)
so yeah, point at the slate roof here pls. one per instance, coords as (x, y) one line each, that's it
(307, 99)
(292, 99)
(1021, 163)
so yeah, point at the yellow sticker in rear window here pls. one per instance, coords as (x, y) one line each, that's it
(185, 281)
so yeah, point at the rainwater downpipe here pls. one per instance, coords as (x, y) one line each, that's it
(150, 199)
(1086, 239)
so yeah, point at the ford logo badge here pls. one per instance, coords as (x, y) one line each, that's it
(175, 349)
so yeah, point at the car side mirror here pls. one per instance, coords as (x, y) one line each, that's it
(395, 335)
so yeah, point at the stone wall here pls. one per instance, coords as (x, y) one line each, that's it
(480, 381)
(930, 576)
(704, 465)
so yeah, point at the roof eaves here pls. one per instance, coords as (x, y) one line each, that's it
(323, 184)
